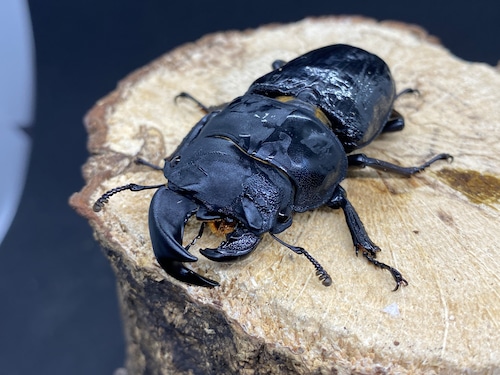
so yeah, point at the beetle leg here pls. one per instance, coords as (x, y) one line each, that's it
(359, 236)
(361, 160)
(168, 213)
(203, 107)
(396, 122)
(186, 95)
(141, 161)
(238, 244)
(400, 281)
(320, 271)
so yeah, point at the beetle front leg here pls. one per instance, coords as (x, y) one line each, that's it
(359, 235)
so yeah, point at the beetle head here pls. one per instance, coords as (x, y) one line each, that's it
(263, 203)
(226, 181)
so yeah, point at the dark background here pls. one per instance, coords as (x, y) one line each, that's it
(58, 308)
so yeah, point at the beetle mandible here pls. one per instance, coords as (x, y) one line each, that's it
(283, 147)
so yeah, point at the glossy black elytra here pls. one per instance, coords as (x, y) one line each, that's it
(282, 147)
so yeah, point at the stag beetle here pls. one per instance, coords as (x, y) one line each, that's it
(283, 147)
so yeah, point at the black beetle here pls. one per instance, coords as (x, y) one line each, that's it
(281, 148)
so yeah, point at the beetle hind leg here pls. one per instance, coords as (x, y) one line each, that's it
(361, 160)
(360, 238)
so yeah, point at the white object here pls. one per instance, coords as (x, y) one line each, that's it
(392, 309)
(16, 104)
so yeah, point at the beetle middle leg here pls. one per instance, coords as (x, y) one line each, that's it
(361, 160)
(186, 95)
(203, 107)
(396, 121)
(360, 238)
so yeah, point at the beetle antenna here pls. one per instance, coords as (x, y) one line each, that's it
(99, 204)
(320, 271)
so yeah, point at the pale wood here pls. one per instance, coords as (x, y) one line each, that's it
(271, 314)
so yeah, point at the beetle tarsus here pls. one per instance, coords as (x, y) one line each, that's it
(324, 277)
(400, 281)
(360, 237)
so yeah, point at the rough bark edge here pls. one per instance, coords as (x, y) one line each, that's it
(185, 344)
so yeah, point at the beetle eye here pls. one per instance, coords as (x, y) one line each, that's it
(283, 217)
(175, 160)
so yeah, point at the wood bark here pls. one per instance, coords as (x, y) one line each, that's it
(271, 315)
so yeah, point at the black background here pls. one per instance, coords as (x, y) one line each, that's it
(58, 309)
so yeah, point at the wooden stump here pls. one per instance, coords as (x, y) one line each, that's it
(271, 314)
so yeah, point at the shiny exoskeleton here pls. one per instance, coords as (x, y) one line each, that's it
(282, 147)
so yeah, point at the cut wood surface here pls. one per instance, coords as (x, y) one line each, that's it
(271, 314)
